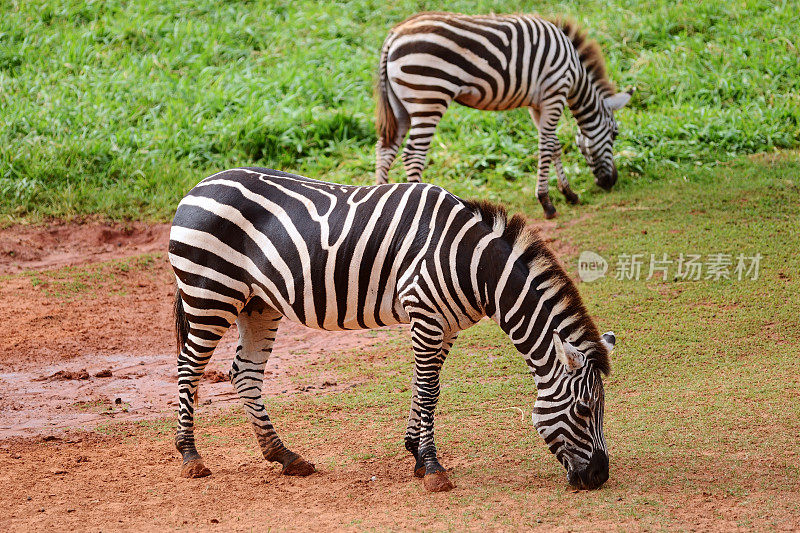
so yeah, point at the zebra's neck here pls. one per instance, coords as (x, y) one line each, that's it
(526, 302)
(586, 101)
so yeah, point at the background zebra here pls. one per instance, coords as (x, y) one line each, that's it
(495, 62)
(253, 245)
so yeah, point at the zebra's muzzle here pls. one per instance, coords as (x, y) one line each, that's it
(593, 475)
(606, 180)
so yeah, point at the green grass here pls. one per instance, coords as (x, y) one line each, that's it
(714, 361)
(118, 107)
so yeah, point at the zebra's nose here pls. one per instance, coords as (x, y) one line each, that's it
(597, 470)
(608, 180)
(593, 475)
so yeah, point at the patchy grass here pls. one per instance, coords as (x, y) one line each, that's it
(118, 107)
(105, 406)
(706, 369)
(70, 282)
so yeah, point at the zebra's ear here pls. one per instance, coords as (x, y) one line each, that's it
(570, 357)
(618, 101)
(609, 340)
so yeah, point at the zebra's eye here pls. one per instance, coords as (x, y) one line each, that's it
(583, 409)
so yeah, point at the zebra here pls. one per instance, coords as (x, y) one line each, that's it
(253, 245)
(496, 62)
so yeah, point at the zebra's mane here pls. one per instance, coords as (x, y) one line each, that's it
(534, 252)
(589, 52)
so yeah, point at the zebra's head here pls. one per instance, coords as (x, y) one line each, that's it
(595, 139)
(568, 413)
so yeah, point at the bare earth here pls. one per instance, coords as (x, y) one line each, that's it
(62, 471)
(47, 342)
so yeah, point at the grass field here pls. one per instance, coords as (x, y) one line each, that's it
(113, 109)
(118, 107)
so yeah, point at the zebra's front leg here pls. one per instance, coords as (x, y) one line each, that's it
(256, 336)
(549, 151)
(430, 350)
(542, 189)
(563, 184)
(413, 429)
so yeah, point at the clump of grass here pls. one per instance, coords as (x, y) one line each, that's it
(294, 139)
(69, 282)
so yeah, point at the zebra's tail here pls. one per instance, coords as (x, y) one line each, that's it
(181, 324)
(182, 333)
(385, 119)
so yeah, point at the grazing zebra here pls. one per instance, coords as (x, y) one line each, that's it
(252, 245)
(495, 63)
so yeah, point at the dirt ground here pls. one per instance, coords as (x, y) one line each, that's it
(78, 351)
(73, 359)
(92, 482)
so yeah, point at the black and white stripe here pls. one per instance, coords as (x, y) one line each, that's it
(495, 62)
(253, 245)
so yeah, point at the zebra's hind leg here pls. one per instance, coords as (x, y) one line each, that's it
(257, 332)
(423, 126)
(385, 154)
(198, 336)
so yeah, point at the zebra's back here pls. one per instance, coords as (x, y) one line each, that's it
(489, 62)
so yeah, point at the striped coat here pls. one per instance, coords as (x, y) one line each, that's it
(254, 245)
(495, 62)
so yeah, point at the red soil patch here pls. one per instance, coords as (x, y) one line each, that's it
(66, 357)
(215, 376)
(65, 375)
(131, 481)
(62, 244)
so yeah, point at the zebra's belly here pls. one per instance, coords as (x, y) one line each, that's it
(470, 97)
(385, 320)
(354, 317)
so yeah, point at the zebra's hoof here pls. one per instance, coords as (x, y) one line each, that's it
(438, 482)
(572, 198)
(298, 467)
(194, 468)
(419, 471)
(550, 213)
